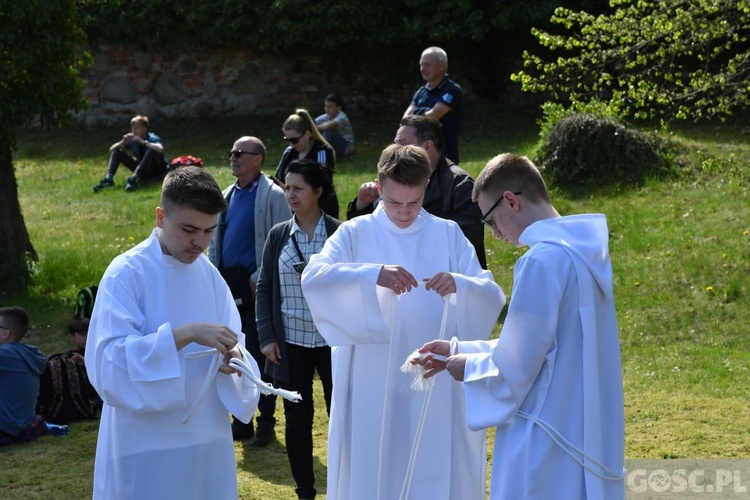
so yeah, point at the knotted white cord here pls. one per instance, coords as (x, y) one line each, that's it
(265, 388)
(241, 366)
(570, 449)
(406, 486)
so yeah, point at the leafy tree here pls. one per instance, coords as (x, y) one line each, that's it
(39, 63)
(356, 41)
(672, 59)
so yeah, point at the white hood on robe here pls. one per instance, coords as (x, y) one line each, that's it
(585, 236)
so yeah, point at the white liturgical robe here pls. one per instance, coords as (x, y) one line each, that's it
(148, 386)
(375, 413)
(557, 361)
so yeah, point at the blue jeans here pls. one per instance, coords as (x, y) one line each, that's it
(337, 141)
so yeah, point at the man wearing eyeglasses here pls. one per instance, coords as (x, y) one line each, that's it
(448, 194)
(255, 205)
(552, 382)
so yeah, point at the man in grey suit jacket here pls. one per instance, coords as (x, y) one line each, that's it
(255, 205)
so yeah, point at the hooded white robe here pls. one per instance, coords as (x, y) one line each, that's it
(144, 449)
(375, 413)
(557, 359)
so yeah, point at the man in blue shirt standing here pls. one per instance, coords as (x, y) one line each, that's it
(255, 205)
(440, 98)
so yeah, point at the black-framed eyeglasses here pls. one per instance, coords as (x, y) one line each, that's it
(239, 152)
(293, 140)
(493, 207)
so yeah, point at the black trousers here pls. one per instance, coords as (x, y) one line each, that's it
(267, 403)
(303, 362)
(150, 166)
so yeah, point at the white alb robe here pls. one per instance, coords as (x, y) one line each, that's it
(372, 399)
(148, 386)
(557, 359)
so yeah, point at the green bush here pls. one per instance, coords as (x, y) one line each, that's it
(582, 150)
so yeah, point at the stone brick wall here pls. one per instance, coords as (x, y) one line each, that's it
(123, 82)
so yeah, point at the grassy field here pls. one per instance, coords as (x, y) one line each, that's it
(680, 250)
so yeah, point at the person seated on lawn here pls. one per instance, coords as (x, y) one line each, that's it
(139, 150)
(20, 368)
(335, 126)
(305, 142)
(65, 392)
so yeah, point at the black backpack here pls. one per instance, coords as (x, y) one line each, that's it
(85, 302)
(65, 393)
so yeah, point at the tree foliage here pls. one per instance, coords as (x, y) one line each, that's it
(367, 44)
(672, 59)
(583, 151)
(39, 63)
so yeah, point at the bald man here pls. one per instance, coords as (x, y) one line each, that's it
(255, 205)
(440, 98)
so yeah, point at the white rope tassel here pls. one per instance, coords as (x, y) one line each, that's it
(241, 366)
(265, 388)
(421, 383)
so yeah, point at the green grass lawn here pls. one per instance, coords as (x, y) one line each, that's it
(680, 251)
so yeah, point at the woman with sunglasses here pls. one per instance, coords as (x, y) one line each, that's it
(288, 337)
(305, 142)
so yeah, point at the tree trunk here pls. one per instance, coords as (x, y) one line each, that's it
(16, 250)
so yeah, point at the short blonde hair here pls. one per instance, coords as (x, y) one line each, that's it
(405, 165)
(510, 172)
(139, 120)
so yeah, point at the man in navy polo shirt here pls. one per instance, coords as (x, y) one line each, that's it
(440, 98)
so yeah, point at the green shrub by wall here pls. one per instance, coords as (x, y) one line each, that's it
(581, 151)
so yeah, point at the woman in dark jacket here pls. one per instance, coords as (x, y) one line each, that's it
(288, 338)
(305, 142)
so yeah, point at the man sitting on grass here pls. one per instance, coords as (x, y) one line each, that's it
(141, 151)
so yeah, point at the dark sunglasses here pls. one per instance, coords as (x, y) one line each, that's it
(239, 152)
(293, 140)
(484, 216)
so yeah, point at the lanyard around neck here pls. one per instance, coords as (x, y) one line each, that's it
(296, 247)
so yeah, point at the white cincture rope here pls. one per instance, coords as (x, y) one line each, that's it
(265, 388)
(213, 370)
(241, 366)
(406, 486)
(396, 297)
(570, 449)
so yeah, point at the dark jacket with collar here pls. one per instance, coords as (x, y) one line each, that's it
(448, 196)
(268, 295)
